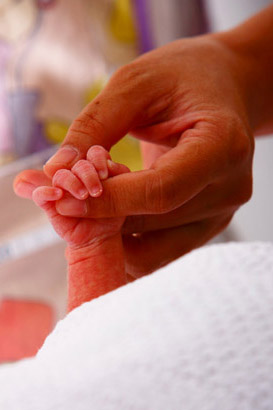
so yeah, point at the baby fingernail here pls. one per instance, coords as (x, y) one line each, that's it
(95, 192)
(58, 192)
(65, 155)
(83, 193)
(72, 207)
(110, 163)
(103, 174)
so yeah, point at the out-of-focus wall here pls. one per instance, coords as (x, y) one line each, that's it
(254, 220)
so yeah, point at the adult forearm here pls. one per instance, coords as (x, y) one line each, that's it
(251, 44)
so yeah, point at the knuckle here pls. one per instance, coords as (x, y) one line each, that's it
(85, 170)
(87, 123)
(81, 164)
(242, 151)
(59, 176)
(242, 147)
(242, 192)
(223, 223)
(128, 72)
(96, 153)
(111, 201)
(131, 78)
(246, 191)
(93, 150)
(158, 194)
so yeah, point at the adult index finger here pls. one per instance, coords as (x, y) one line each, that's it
(105, 120)
(176, 177)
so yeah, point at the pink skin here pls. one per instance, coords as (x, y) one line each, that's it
(95, 251)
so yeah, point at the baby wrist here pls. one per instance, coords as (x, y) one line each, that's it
(77, 254)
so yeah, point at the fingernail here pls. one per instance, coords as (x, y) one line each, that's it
(110, 163)
(58, 192)
(83, 193)
(95, 192)
(103, 174)
(71, 207)
(64, 155)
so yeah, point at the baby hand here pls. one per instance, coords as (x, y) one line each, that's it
(83, 180)
(85, 177)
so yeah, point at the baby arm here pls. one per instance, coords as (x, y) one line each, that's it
(94, 269)
(94, 246)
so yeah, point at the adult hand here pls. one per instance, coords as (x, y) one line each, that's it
(186, 100)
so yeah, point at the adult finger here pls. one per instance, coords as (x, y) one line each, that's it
(150, 251)
(106, 119)
(212, 201)
(27, 181)
(178, 176)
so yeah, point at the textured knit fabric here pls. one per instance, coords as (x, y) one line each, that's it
(197, 335)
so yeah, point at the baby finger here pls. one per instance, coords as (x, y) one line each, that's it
(66, 180)
(88, 175)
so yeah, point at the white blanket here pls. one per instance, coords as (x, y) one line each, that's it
(197, 335)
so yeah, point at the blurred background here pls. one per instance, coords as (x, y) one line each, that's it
(55, 57)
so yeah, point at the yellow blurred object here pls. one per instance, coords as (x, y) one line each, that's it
(93, 91)
(55, 131)
(6, 158)
(127, 151)
(122, 24)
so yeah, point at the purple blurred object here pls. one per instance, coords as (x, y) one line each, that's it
(45, 3)
(27, 130)
(144, 29)
(6, 142)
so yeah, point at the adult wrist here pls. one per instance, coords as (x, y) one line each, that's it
(251, 57)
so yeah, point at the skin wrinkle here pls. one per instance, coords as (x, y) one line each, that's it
(84, 169)
(176, 217)
(92, 121)
(154, 189)
(61, 175)
(89, 248)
